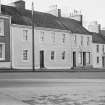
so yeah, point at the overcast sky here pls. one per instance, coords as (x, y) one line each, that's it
(91, 9)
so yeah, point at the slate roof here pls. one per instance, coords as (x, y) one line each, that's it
(103, 32)
(24, 17)
(74, 26)
(98, 38)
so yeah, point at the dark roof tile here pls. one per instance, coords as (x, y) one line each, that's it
(24, 17)
(98, 38)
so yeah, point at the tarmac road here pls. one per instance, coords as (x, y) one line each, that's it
(31, 79)
(53, 75)
(20, 87)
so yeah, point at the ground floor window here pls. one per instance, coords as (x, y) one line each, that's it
(25, 54)
(52, 55)
(2, 51)
(63, 55)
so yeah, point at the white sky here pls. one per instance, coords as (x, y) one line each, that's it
(91, 9)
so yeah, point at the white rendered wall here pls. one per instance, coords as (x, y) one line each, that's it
(58, 47)
(97, 54)
(18, 44)
(77, 47)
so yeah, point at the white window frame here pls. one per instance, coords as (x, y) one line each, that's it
(53, 37)
(52, 55)
(63, 55)
(63, 38)
(81, 40)
(2, 27)
(88, 55)
(75, 39)
(80, 57)
(23, 55)
(25, 35)
(88, 41)
(42, 33)
(97, 48)
(103, 48)
(3, 51)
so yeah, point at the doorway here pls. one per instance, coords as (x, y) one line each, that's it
(41, 59)
(103, 62)
(74, 59)
(84, 58)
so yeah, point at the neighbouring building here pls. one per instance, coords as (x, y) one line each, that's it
(98, 45)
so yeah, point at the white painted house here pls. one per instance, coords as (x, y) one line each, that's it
(52, 48)
(60, 43)
(82, 50)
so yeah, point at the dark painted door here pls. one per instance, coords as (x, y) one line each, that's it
(103, 62)
(74, 59)
(84, 58)
(41, 59)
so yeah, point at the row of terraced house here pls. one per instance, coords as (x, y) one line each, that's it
(59, 42)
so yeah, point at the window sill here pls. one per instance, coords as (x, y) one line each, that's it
(25, 61)
(2, 59)
(1, 34)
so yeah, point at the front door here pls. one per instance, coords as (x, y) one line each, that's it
(103, 62)
(84, 58)
(74, 59)
(41, 59)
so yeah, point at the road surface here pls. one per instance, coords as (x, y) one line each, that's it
(52, 88)
(53, 75)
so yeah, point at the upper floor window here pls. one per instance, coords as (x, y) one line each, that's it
(1, 27)
(25, 34)
(97, 48)
(42, 36)
(75, 39)
(88, 40)
(63, 55)
(52, 55)
(63, 38)
(2, 51)
(103, 48)
(25, 54)
(81, 40)
(53, 37)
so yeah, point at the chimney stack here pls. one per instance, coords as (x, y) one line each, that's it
(59, 12)
(94, 27)
(76, 15)
(55, 11)
(18, 4)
